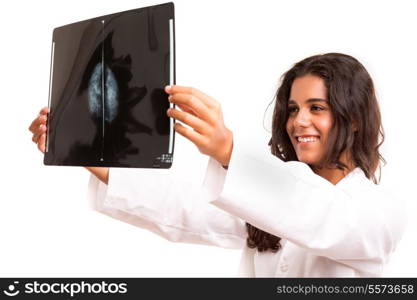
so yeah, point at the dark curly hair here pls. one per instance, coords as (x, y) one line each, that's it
(352, 100)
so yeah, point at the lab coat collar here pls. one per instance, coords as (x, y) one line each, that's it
(354, 177)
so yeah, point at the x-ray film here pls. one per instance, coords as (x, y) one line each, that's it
(106, 94)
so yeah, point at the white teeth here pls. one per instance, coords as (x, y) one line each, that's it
(307, 139)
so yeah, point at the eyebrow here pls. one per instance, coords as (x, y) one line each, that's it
(309, 100)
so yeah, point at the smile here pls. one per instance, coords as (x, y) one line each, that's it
(306, 139)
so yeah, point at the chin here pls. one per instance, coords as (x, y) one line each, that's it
(307, 159)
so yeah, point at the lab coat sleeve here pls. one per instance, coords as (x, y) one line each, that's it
(359, 228)
(176, 210)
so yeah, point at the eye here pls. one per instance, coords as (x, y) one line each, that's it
(292, 109)
(317, 108)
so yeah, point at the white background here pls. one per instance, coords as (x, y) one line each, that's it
(233, 50)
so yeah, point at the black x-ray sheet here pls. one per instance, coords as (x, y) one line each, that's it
(106, 96)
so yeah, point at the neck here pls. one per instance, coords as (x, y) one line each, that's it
(334, 175)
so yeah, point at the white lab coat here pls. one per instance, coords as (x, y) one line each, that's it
(345, 230)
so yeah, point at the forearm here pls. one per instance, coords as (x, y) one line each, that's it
(101, 173)
(168, 205)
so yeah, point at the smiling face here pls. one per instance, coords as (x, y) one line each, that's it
(310, 119)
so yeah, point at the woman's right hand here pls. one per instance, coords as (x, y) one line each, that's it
(38, 129)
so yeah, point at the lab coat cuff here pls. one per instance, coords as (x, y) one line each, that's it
(214, 180)
(96, 193)
(103, 197)
(122, 183)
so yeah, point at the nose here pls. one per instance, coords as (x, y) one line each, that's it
(303, 119)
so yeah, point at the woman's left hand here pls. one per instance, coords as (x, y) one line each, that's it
(204, 115)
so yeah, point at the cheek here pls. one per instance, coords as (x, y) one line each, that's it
(289, 127)
(324, 125)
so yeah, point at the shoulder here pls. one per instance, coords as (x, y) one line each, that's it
(379, 203)
(382, 200)
(377, 198)
(356, 182)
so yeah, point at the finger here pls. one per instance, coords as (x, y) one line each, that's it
(41, 130)
(44, 111)
(41, 143)
(207, 100)
(189, 119)
(196, 138)
(40, 120)
(192, 102)
(186, 109)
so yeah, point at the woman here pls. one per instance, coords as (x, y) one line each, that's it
(314, 211)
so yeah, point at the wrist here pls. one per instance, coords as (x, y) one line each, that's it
(226, 151)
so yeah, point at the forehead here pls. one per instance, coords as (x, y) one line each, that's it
(307, 87)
